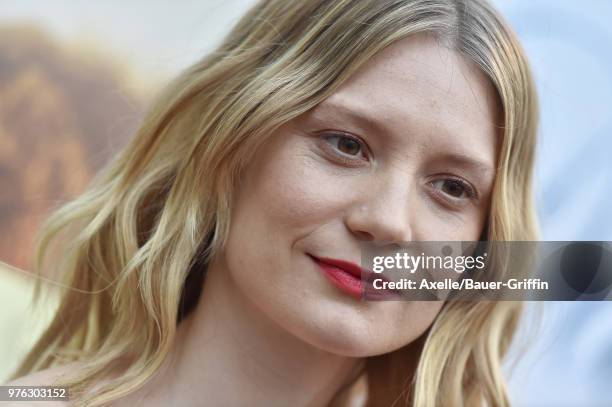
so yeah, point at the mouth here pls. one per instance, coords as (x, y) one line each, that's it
(352, 279)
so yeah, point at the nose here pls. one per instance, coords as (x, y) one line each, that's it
(382, 215)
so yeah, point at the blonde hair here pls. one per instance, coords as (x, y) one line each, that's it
(134, 247)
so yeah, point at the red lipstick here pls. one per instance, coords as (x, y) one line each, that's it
(351, 278)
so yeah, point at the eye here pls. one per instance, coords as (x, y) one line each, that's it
(346, 145)
(455, 188)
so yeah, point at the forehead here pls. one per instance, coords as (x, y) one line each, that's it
(418, 85)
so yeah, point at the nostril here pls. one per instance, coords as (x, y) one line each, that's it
(364, 235)
(395, 246)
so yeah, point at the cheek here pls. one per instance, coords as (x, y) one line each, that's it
(284, 195)
(290, 191)
(433, 225)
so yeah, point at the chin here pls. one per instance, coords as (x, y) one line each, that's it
(348, 335)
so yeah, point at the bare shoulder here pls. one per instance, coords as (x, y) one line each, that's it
(46, 377)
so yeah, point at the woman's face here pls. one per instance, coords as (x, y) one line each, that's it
(404, 151)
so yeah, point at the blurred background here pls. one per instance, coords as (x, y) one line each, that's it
(75, 78)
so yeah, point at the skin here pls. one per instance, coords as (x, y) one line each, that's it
(270, 329)
(303, 196)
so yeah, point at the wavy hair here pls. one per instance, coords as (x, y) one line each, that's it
(132, 250)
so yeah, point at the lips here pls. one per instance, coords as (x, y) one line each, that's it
(352, 279)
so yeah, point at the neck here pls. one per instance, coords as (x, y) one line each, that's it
(229, 353)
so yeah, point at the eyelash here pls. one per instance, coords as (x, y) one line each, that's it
(470, 191)
(346, 159)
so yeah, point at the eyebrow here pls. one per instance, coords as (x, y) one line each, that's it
(468, 162)
(360, 118)
(369, 123)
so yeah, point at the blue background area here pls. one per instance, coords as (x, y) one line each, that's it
(566, 347)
